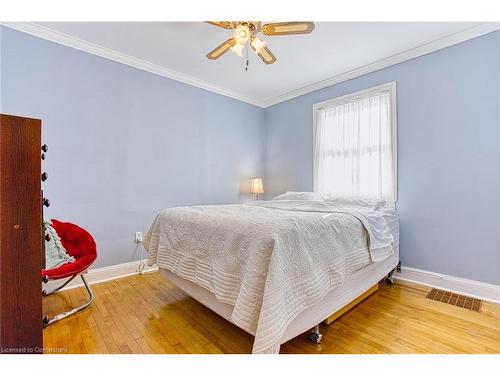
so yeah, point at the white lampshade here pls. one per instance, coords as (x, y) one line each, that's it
(256, 186)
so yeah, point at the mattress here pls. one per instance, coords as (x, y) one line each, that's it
(391, 217)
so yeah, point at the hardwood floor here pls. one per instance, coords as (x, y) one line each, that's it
(147, 314)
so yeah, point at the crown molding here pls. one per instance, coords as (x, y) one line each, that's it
(461, 36)
(110, 54)
(73, 42)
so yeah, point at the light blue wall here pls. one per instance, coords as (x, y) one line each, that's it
(448, 155)
(125, 143)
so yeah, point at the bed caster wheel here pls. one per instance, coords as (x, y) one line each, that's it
(315, 338)
(45, 321)
(389, 279)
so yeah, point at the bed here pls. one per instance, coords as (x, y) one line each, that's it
(275, 268)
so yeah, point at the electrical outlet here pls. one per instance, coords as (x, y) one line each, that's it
(138, 237)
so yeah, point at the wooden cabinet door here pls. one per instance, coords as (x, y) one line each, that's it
(20, 235)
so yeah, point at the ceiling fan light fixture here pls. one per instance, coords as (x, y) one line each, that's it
(258, 44)
(238, 49)
(246, 31)
(242, 33)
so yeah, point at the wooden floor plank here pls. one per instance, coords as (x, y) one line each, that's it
(147, 314)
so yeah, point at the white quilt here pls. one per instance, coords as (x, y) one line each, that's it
(271, 259)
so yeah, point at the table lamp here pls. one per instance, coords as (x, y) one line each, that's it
(256, 186)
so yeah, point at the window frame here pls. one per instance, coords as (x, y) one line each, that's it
(391, 87)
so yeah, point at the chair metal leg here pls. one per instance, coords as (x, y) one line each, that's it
(45, 293)
(47, 321)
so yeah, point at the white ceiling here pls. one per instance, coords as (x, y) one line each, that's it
(334, 48)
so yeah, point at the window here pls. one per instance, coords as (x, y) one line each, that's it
(355, 144)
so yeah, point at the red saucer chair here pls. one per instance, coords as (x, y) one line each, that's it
(80, 245)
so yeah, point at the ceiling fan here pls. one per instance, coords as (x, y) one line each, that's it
(246, 32)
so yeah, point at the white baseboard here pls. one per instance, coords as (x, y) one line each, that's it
(99, 275)
(471, 288)
(476, 289)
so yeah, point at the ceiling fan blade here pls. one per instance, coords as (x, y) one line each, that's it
(266, 55)
(224, 24)
(221, 49)
(287, 28)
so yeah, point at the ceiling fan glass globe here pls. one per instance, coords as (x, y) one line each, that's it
(241, 34)
(257, 44)
(238, 49)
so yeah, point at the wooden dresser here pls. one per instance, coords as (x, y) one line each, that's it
(21, 240)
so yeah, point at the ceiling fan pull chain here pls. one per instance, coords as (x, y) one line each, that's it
(246, 66)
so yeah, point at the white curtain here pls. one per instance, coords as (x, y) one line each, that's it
(353, 148)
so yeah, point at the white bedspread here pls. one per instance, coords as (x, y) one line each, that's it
(270, 259)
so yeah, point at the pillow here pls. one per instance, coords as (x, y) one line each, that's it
(55, 253)
(299, 196)
(373, 203)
